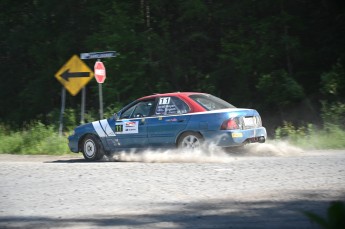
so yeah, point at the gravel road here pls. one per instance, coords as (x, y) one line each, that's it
(255, 190)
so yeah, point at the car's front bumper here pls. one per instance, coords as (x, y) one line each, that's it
(73, 143)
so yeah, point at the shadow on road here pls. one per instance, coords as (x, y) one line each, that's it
(209, 214)
(68, 161)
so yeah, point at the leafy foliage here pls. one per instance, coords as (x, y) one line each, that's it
(311, 137)
(335, 216)
(280, 89)
(333, 113)
(269, 53)
(36, 138)
(333, 82)
(331, 136)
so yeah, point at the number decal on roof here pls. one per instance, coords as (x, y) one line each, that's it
(164, 100)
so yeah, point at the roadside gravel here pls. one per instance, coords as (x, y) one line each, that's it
(251, 191)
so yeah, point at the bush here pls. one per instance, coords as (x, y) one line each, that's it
(333, 82)
(10, 143)
(331, 136)
(280, 89)
(35, 138)
(333, 113)
(310, 137)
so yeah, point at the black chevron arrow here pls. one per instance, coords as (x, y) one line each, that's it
(66, 74)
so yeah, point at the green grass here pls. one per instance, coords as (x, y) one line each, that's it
(309, 137)
(324, 139)
(36, 138)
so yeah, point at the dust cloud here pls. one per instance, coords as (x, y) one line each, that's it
(208, 154)
(272, 148)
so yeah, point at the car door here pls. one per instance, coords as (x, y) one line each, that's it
(130, 128)
(169, 119)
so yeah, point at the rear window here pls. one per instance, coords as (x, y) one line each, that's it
(210, 102)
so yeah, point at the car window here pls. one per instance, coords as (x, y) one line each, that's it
(171, 106)
(182, 106)
(210, 102)
(138, 110)
(128, 112)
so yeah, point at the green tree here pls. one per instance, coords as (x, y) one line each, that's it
(37, 39)
(279, 89)
(333, 82)
(229, 48)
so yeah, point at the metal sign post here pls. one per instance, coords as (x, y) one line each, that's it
(82, 112)
(63, 102)
(100, 100)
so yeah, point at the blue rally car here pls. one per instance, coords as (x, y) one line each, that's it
(181, 119)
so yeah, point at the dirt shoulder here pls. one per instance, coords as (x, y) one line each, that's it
(37, 158)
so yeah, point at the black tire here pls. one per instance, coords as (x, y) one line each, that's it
(190, 140)
(92, 148)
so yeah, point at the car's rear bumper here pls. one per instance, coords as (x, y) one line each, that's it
(228, 138)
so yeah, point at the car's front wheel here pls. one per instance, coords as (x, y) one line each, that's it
(190, 140)
(92, 148)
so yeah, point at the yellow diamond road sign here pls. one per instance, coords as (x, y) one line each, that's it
(74, 75)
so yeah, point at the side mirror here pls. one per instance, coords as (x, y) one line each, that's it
(115, 116)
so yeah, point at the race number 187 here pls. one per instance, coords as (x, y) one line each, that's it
(164, 100)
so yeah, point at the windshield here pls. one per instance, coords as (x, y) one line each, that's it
(210, 102)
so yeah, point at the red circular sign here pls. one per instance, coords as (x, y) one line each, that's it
(100, 72)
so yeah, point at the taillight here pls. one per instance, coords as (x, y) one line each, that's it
(230, 124)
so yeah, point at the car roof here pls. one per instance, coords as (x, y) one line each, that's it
(194, 107)
(177, 94)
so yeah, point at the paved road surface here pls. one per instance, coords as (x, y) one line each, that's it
(250, 191)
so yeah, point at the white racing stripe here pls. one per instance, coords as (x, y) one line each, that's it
(106, 127)
(99, 129)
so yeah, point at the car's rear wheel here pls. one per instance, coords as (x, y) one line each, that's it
(92, 148)
(190, 140)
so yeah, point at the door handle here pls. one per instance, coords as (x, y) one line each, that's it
(181, 120)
